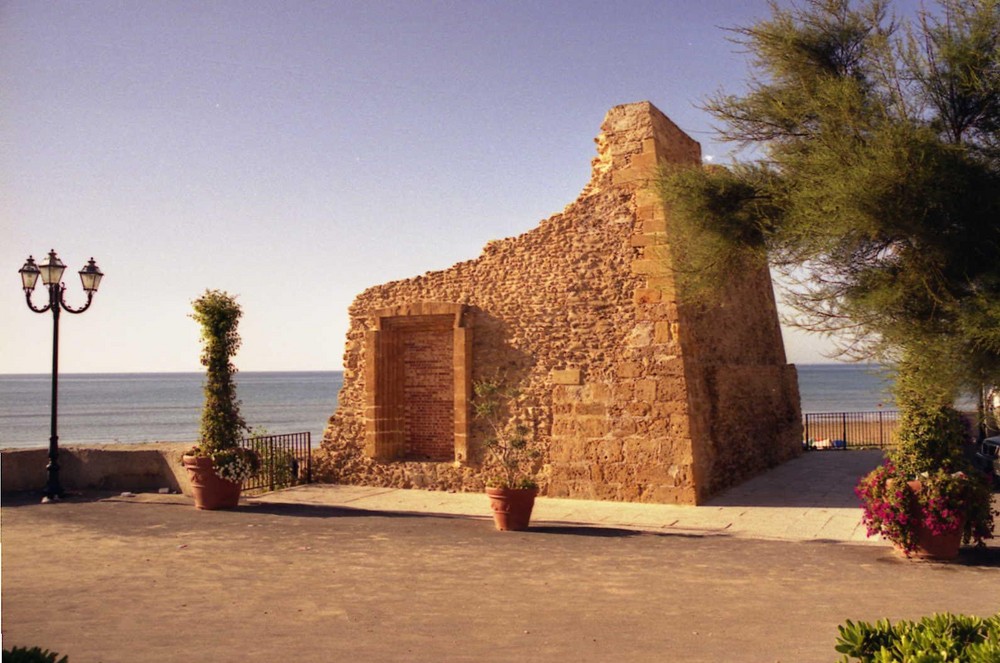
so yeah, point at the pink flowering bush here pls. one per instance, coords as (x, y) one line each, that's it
(887, 503)
(945, 503)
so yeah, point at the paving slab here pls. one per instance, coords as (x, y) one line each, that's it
(809, 498)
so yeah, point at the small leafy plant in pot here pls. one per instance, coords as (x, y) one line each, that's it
(924, 498)
(510, 458)
(218, 465)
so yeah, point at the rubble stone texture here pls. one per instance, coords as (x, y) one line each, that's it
(632, 394)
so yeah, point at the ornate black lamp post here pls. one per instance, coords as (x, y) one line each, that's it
(51, 272)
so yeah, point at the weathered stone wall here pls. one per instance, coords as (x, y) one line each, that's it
(148, 466)
(632, 395)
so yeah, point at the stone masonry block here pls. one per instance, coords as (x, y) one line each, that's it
(645, 162)
(646, 266)
(570, 376)
(591, 427)
(664, 331)
(629, 369)
(597, 393)
(662, 253)
(608, 451)
(647, 239)
(654, 225)
(638, 409)
(646, 296)
(647, 196)
(594, 409)
(623, 177)
(665, 284)
(653, 211)
(645, 390)
(623, 391)
(641, 336)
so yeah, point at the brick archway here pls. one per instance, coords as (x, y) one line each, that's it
(417, 385)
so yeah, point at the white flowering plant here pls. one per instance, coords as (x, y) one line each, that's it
(236, 464)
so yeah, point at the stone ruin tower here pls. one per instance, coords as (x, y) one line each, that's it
(633, 395)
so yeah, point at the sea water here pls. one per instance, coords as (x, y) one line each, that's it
(146, 407)
(845, 388)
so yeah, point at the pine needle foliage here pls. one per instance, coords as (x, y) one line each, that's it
(875, 190)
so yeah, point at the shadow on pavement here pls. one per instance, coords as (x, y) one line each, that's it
(840, 500)
(985, 558)
(817, 479)
(34, 497)
(323, 511)
(585, 530)
(327, 511)
(978, 557)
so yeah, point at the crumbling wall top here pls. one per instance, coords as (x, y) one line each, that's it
(630, 131)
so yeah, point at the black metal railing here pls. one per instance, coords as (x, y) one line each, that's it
(285, 460)
(843, 430)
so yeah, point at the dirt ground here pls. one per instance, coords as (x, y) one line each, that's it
(152, 579)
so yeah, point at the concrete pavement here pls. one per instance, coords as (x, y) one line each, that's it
(810, 498)
(337, 573)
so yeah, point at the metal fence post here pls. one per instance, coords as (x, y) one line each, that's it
(309, 469)
(291, 451)
(856, 429)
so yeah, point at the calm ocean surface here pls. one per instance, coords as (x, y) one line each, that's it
(145, 407)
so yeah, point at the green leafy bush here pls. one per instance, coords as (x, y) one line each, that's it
(222, 425)
(940, 638)
(33, 655)
(953, 495)
(930, 438)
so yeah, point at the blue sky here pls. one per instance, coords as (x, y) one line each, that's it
(296, 152)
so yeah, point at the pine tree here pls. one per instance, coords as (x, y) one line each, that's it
(875, 187)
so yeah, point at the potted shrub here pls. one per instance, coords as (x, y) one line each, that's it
(218, 465)
(510, 458)
(924, 498)
(928, 516)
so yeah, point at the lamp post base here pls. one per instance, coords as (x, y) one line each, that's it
(53, 487)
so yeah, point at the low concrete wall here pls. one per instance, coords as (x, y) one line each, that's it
(136, 467)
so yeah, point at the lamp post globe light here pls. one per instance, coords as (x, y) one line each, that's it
(51, 271)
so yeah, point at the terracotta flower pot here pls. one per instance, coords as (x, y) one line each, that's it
(512, 507)
(936, 546)
(210, 491)
(929, 545)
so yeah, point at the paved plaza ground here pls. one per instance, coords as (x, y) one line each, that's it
(109, 578)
